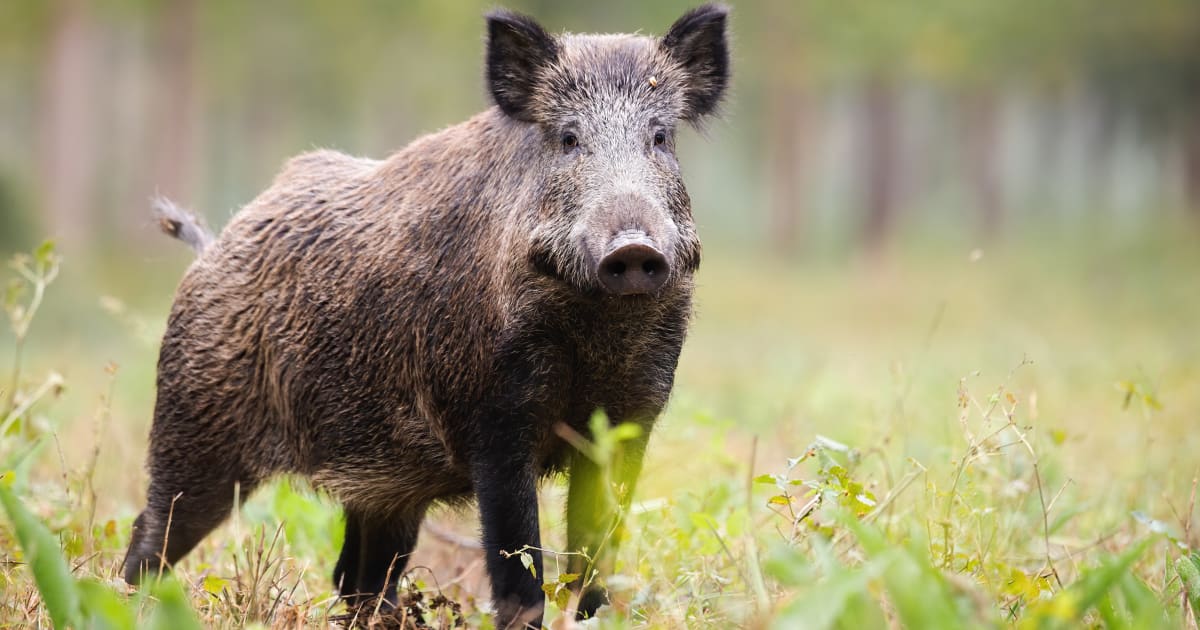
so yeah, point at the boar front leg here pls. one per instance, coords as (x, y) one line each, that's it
(505, 483)
(597, 499)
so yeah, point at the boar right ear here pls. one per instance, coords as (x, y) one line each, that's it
(697, 40)
(517, 49)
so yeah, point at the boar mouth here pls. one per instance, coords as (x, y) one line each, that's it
(630, 269)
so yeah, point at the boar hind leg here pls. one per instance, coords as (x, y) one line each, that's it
(345, 573)
(597, 498)
(183, 505)
(374, 554)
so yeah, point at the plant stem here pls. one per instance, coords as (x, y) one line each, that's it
(11, 395)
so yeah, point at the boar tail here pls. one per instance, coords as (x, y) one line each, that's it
(182, 224)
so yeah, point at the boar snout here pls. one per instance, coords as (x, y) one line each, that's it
(633, 265)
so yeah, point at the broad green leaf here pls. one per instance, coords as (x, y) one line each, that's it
(1131, 604)
(1143, 607)
(1110, 614)
(172, 612)
(527, 562)
(1094, 589)
(567, 578)
(626, 431)
(825, 603)
(50, 571)
(105, 609)
(12, 295)
(44, 253)
(788, 566)
(1093, 584)
(1188, 568)
(558, 593)
(918, 592)
(831, 444)
(214, 585)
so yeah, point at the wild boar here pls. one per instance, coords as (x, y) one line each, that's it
(421, 329)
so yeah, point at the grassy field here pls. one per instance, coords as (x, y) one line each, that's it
(949, 438)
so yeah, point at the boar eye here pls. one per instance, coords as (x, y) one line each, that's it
(569, 141)
(660, 138)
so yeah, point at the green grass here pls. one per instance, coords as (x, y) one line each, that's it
(938, 440)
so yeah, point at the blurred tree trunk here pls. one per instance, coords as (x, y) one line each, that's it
(983, 169)
(882, 161)
(1191, 165)
(1100, 167)
(1047, 158)
(175, 148)
(66, 124)
(786, 116)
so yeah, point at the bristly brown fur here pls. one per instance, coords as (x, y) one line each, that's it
(413, 330)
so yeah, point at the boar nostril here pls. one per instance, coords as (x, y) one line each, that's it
(652, 267)
(634, 268)
(615, 268)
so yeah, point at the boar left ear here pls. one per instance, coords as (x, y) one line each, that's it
(517, 49)
(697, 40)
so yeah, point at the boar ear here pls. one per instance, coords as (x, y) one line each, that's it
(517, 49)
(698, 42)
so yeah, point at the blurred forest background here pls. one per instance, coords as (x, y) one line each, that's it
(918, 216)
(850, 123)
